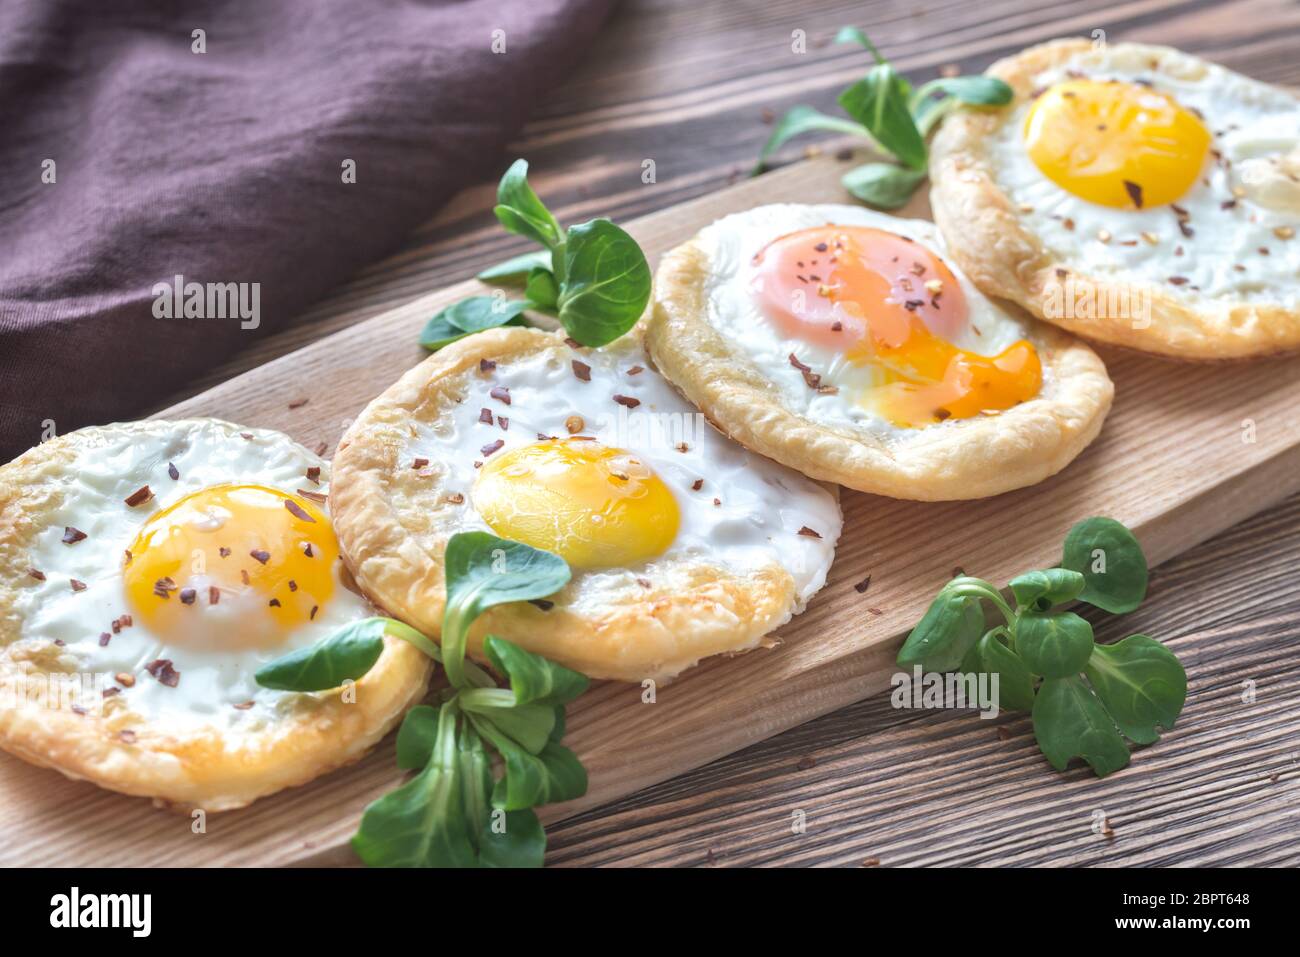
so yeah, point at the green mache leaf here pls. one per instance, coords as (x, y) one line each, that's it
(482, 571)
(470, 315)
(1142, 684)
(554, 774)
(423, 823)
(1015, 682)
(928, 109)
(516, 269)
(416, 737)
(531, 725)
(541, 289)
(856, 35)
(533, 679)
(1053, 644)
(945, 633)
(1041, 590)
(1111, 562)
(344, 656)
(606, 283)
(520, 843)
(804, 119)
(879, 102)
(1070, 722)
(520, 211)
(883, 185)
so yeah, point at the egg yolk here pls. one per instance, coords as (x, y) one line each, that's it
(1116, 144)
(593, 505)
(232, 566)
(885, 302)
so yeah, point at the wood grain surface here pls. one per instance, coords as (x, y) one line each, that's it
(693, 86)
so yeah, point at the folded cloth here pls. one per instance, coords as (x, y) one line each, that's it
(228, 143)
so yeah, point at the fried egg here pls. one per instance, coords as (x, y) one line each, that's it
(844, 343)
(682, 544)
(148, 570)
(1134, 194)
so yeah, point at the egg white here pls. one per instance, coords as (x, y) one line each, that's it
(761, 506)
(734, 311)
(1253, 125)
(206, 452)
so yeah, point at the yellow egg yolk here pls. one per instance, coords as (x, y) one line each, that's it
(232, 566)
(593, 505)
(888, 303)
(1116, 144)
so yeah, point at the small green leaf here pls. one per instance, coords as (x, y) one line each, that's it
(976, 90)
(344, 656)
(520, 843)
(606, 283)
(482, 571)
(879, 102)
(1053, 644)
(1141, 683)
(855, 35)
(541, 289)
(521, 212)
(416, 737)
(1070, 722)
(533, 679)
(805, 119)
(883, 185)
(1015, 682)
(529, 724)
(470, 315)
(517, 268)
(1041, 590)
(554, 774)
(944, 635)
(1111, 562)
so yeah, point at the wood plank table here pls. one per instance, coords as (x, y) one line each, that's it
(694, 87)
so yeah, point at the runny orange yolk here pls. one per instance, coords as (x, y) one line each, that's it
(1116, 144)
(231, 566)
(888, 303)
(593, 505)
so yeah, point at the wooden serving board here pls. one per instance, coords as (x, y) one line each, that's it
(1188, 450)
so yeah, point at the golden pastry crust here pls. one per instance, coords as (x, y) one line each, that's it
(959, 459)
(124, 751)
(990, 241)
(393, 523)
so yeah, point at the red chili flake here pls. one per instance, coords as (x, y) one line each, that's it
(243, 705)
(173, 472)
(809, 533)
(78, 709)
(127, 736)
(942, 415)
(163, 587)
(627, 400)
(109, 692)
(313, 474)
(104, 639)
(317, 497)
(214, 594)
(262, 557)
(306, 550)
(321, 448)
(682, 447)
(223, 551)
(188, 595)
(572, 343)
(293, 585)
(1134, 192)
(274, 603)
(298, 403)
(492, 446)
(297, 511)
(243, 576)
(37, 574)
(636, 370)
(821, 247)
(127, 621)
(862, 586)
(1062, 273)
(72, 535)
(312, 615)
(812, 379)
(117, 626)
(456, 498)
(1179, 280)
(542, 603)
(644, 582)
(501, 394)
(139, 496)
(697, 484)
(486, 365)
(247, 435)
(503, 422)
(582, 370)
(161, 668)
(717, 501)
(76, 584)
(836, 326)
